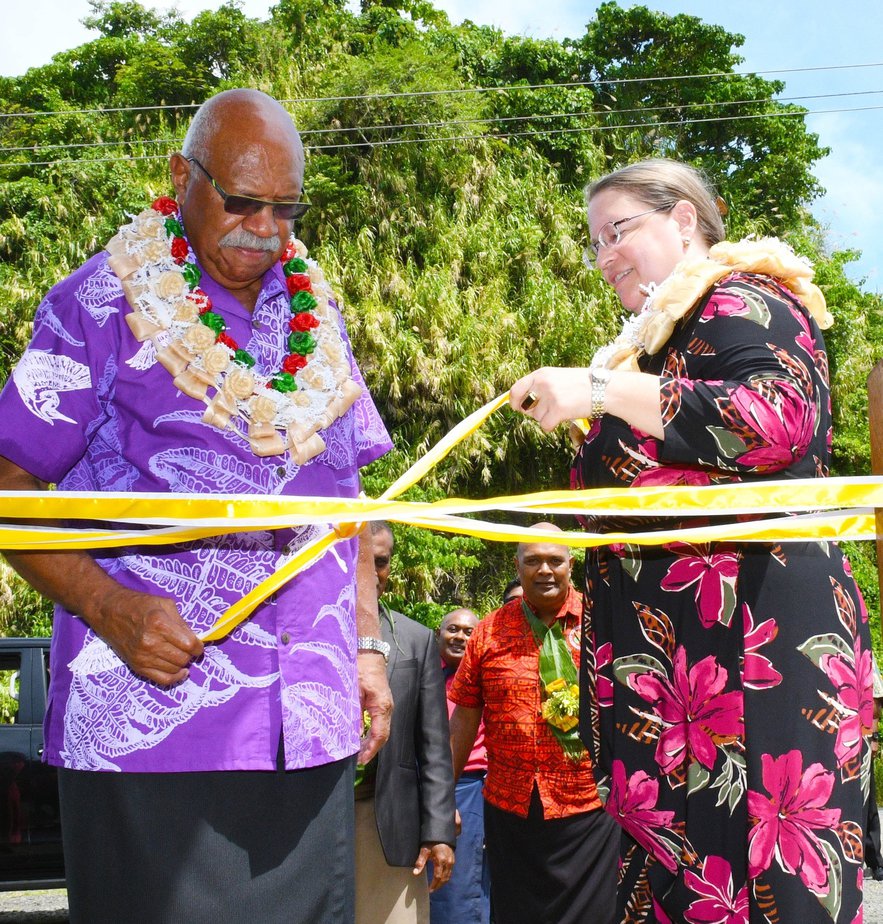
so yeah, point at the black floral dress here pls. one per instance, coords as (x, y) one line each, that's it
(727, 687)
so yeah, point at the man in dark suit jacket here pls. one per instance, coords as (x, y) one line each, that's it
(405, 799)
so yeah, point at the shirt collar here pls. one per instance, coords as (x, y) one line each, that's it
(272, 284)
(572, 606)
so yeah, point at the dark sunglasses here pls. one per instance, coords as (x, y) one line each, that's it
(246, 205)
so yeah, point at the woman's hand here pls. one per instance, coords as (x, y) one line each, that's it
(561, 395)
(566, 394)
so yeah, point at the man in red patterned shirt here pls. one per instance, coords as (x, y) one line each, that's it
(551, 847)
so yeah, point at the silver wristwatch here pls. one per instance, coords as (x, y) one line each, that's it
(599, 379)
(369, 643)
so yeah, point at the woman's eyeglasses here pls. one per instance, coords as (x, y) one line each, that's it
(610, 234)
(246, 205)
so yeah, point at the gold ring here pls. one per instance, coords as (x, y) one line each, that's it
(530, 401)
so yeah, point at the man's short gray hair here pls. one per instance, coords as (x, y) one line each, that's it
(202, 129)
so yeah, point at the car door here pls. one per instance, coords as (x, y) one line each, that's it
(30, 824)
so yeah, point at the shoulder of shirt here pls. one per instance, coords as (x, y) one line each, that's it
(758, 284)
(509, 614)
(92, 281)
(502, 612)
(95, 265)
(575, 601)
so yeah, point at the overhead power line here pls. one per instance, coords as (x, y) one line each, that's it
(491, 120)
(509, 88)
(457, 138)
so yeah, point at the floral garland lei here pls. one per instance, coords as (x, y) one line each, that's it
(650, 329)
(285, 409)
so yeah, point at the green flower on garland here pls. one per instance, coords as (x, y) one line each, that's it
(303, 301)
(301, 342)
(173, 227)
(284, 382)
(295, 265)
(192, 274)
(213, 321)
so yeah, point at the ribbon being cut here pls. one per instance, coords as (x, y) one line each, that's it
(820, 509)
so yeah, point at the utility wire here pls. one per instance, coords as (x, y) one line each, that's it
(449, 138)
(718, 104)
(592, 128)
(510, 88)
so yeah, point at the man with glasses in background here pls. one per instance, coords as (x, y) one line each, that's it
(466, 899)
(203, 353)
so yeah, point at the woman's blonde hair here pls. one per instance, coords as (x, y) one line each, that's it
(661, 182)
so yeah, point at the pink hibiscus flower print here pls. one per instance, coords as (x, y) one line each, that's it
(758, 672)
(653, 472)
(804, 339)
(780, 430)
(696, 715)
(718, 904)
(632, 802)
(862, 608)
(603, 683)
(725, 305)
(713, 569)
(672, 475)
(785, 821)
(852, 679)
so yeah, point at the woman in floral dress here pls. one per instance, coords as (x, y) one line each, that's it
(731, 696)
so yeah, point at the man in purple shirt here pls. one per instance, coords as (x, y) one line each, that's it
(204, 782)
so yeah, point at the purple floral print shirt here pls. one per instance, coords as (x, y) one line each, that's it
(91, 409)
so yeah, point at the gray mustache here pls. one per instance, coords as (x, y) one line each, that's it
(242, 238)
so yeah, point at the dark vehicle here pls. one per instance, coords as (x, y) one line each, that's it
(30, 825)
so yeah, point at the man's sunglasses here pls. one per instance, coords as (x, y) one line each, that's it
(246, 205)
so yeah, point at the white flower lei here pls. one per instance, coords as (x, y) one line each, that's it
(674, 298)
(161, 289)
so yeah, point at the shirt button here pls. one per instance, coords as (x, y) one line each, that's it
(286, 549)
(286, 638)
(280, 471)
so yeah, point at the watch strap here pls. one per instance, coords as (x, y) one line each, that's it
(599, 379)
(370, 643)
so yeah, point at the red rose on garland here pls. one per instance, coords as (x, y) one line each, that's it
(303, 322)
(294, 362)
(228, 341)
(179, 249)
(165, 206)
(298, 282)
(201, 300)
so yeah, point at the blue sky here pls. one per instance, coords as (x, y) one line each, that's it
(786, 35)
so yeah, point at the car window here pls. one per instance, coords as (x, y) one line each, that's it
(10, 679)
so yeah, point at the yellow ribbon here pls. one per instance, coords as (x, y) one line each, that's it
(827, 508)
(313, 550)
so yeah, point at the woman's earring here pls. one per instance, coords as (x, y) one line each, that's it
(687, 243)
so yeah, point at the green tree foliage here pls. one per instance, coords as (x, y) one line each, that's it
(448, 215)
(643, 63)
